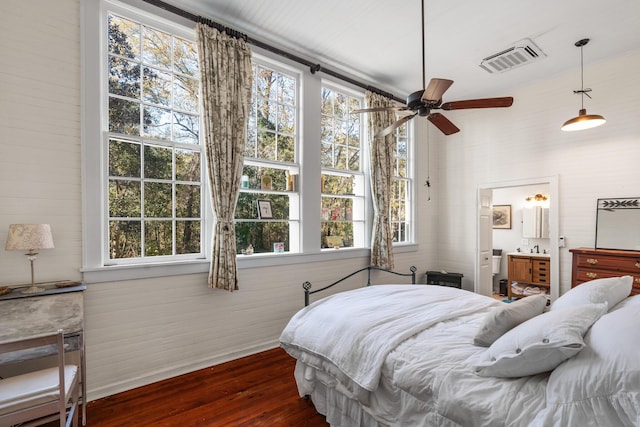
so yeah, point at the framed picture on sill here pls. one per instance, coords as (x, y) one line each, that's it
(264, 209)
(502, 216)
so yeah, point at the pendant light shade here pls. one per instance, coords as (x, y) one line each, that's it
(583, 120)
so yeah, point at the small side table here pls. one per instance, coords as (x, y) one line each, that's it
(59, 306)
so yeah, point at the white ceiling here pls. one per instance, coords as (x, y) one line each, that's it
(379, 41)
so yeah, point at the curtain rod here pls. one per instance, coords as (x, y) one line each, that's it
(314, 68)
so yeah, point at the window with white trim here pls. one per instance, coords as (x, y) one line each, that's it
(267, 212)
(153, 147)
(343, 180)
(401, 188)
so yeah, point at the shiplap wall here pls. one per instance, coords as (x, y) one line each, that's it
(142, 330)
(137, 331)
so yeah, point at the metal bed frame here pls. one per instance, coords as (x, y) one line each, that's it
(307, 285)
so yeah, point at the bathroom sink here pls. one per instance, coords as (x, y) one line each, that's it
(530, 254)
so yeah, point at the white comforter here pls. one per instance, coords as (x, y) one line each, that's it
(399, 353)
(376, 320)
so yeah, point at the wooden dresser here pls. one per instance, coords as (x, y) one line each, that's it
(589, 264)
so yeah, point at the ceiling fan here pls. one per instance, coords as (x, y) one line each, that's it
(422, 102)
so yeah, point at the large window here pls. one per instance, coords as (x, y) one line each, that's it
(270, 169)
(342, 180)
(145, 195)
(152, 137)
(401, 188)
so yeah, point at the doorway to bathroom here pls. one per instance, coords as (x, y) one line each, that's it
(506, 231)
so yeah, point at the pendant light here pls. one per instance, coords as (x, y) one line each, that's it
(583, 120)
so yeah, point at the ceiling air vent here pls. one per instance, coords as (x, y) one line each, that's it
(524, 52)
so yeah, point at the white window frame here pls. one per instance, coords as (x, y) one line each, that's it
(361, 199)
(294, 219)
(94, 233)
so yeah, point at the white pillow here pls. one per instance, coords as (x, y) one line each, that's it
(600, 386)
(632, 300)
(539, 344)
(507, 316)
(611, 290)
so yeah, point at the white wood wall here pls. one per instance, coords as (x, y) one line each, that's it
(143, 330)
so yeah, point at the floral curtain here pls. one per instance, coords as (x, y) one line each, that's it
(381, 149)
(225, 68)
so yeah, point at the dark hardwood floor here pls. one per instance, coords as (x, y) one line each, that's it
(257, 390)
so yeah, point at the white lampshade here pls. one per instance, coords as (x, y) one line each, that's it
(28, 237)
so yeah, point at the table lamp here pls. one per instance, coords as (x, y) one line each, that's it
(29, 237)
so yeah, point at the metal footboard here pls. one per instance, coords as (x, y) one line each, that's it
(307, 285)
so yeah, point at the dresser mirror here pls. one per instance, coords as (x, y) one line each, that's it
(618, 224)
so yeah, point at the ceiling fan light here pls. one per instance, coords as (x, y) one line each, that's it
(583, 121)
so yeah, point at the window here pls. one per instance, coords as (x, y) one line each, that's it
(401, 188)
(342, 180)
(270, 170)
(145, 200)
(152, 136)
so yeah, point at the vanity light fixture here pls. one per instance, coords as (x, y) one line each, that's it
(583, 120)
(537, 198)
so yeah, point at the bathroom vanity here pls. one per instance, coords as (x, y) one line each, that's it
(528, 270)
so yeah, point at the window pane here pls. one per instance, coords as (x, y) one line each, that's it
(261, 235)
(186, 128)
(247, 207)
(286, 119)
(337, 209)
(266, 145)
(286, 149)
(335, 184)
(157, 122)
(187, 201)
(187, 165)
(157, 87)
(158, 238)
(156, 48)
(286, 89)
(124, 37)
(124, 239)
(124, 77)
(353, 159)
(332, 231)
(157, 200)
(188, 237)
(186, 58)
(185, 94)
(124, 158)
(124, 198)
(124, 116)
(157, 162)
(326, 155)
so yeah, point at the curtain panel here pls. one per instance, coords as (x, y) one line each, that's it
(226, 77)
(382, 151)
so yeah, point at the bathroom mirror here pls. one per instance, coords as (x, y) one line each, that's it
(535, 222)
(618, 224)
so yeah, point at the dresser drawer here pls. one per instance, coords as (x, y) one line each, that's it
(602, 262)
(586, 274)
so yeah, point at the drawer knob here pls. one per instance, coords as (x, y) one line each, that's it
(591, 275)
(636, 280)
(592, 261)
(638, 264)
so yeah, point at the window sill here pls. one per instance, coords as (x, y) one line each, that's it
(115, 273)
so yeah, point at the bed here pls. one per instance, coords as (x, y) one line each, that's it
(426, 355)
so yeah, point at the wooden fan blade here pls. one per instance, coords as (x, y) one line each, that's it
(506, 101)
(386, 131)
(442, 123)
(435, 90)
(374, 109)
